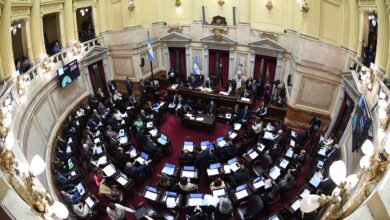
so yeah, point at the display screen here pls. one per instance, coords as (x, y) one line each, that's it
(361, 123)
(68, 73)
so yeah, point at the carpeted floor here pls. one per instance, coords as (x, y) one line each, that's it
(171, 127)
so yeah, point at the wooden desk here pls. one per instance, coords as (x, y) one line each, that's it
(219, 99)
(207, 124)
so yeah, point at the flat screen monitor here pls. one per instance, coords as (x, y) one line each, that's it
(67, 73)
(361, 123)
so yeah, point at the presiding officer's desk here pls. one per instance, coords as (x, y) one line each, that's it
(219, 99)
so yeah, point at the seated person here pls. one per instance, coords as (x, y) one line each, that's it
(241, 176)
(111, 191)
(121, 157)
(224, 210)
(186, 109)
(192, 82)
(180, 103)
(245, 115)
(274, 151)
(173, 100)
(286, 182)
(209, 84)
(232, 87)
(98, 177)
(235, 114)
(110, 133)
(217, 184)
(133, 100)
(278, 101)
(136, 169)
(199, 107)
(198, 214)
(257, 126)
(228, 151)
(81, 210)
(211, 108)
(262, 111)
(295, 170)
(186, 157)
(279, 137)
(64, 180)
(246, 94)
(202, 159)
(138, 124)
(167, 182)
(152, 147)
(114, 122)
(253, 207)
(301, 158)
(172, 77)
(186, 186)
(333, 153)
(72, 196)
(117, 97)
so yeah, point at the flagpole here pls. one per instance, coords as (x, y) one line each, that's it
(151, 70)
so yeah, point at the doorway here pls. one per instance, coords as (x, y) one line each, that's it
(265, 68)
(177, 60)
(19, 46)
(343, 117)
(97, 77)
(85, 27)
(51, 33)
(219, 67)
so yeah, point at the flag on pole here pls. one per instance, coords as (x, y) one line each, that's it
(195, 69)
(239, 66)
(150, 49)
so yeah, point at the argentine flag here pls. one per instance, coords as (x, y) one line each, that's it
(195, 69)
(150, 49)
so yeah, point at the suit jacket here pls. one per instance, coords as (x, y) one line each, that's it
(209, 84)
(211, 109)
(128, 86)
(245, 115)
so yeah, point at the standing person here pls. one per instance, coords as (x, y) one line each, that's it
(129, 87)
(142, 88)
(117, 212)
(315, 124)
(112, 86)
(267, 92)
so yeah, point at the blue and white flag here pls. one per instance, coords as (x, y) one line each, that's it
(239, 66)
(195, 69)
(150, 49)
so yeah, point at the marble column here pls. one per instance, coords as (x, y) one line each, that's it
(382, 47)
(188, 59)
(102, 16)
(232, 68)
(197, 10)
(69, 23)
(62, 28)
(37, 31)
(252, 63)
(159, 12)
(28, 40)
(167, 63)
(313, 18)
(278, 71)
(388, 56)
(244, 11)
(205, 61)
(360, 33)
(6, 52)
(95, 18)
(1, 71)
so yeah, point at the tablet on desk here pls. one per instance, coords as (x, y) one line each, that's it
(153, 132)
(274, 172)
(252, 154)
(258, 182)
(122, 179)
(232, 134)
(188, 146)
(241, 187)
(109, 170)
(292, 143)
(241, 194)
(305, 193)
(123, 140)
(289, 153)
(98, 150)
(205, 144)
(219, 193)
(102, 160)
(80, 188)
(150, 195)
(284, 163)
(293, 134)
(315, 181)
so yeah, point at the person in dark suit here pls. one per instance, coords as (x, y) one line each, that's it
(241, 176)
(295, 170)
(301, 158)
(262, 111)
(315, 125)
(186, 157)
(245, 94)
(199, 107)
(172, 77)
(209, 84)
(333, 153)
(136, 169)
(201, 160)
(112, 86)
(279, 137)
(64, 180)
(245, 115)
(274, 151)
(129, 87)
(211, 108)
(286, 182)
(192, 82)
(229, 150)
(235, 115)
(121, 157)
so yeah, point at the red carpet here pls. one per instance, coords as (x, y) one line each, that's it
(177, 135)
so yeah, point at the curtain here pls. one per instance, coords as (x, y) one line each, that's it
(225, 70)
(256, 71)
(172, 57)
(339, 122)
(103, 78)
(211, 62)
(92, 77)
(183, 69)
(271, 64)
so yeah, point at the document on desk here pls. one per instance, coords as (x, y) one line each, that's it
(245, 99)
(122, 180)
(259, 184)
(153, 132)
(293, 134)
(109, 170)
(268, 135)
(295, 206)
(284, 163)
(322, 151)
(253, 155)
(274, 173)
(222, 143)
(234, 167)
(212, 172)
(102, 160)
(241, 194)
(123, 140)
(219, 192)
(292, 143)
(189, 115)
(223, 93)
(232, 135)
(199, 118)
(171, 202)
(188, 174)
(305, 193)
(174, 86)
(89, 202)
(196, 202)
(150, 195)
(237, 126)
(226, 169)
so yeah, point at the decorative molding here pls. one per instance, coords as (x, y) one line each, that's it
(177, 29)
(268, 44)
(218, 38)
(175, 37)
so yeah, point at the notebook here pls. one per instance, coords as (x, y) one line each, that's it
(188, 174)
(212, 172)
(168, 169)
(284, 163)
(241, 194)
(289, 153)
(274, 172)
(109, 170)
(80, 188)
(150, 195)
(122, 180)
(237, 126)
(305, 193)
(89, 202)
(296, 205)
(253, 154)
(219, 193)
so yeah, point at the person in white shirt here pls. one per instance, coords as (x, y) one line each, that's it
(117, 212)
(257, 126)
(117, 96)
(81, 210)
